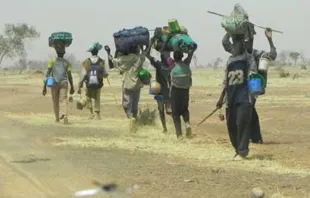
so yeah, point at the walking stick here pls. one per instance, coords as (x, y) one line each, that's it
(221, 15)
(208, 116)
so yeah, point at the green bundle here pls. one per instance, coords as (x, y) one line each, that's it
(61, 39)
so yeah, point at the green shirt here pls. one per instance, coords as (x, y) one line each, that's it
(181, 76)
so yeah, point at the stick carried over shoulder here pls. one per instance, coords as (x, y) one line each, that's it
(221, 15)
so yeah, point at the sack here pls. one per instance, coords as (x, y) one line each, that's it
(61, 39)
(126, 38)
(181, 76)
(177, 42)
(93, 46)
(94, 76)
(181, 42)
(237, 22)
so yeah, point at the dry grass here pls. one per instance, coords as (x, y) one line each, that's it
(205, 152)
(150, 139)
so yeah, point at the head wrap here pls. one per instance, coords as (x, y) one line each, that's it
(94, 46)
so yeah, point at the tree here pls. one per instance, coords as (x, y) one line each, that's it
(294, 56)
(22, 64)
(12, 42)
(217, 62)
(282, 57)
(76, 64)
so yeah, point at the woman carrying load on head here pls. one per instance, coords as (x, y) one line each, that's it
(175, 38)
(181, 81)
(163, 78)
(255, 136)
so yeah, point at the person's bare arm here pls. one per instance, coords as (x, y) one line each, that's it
(110, 57)
(189, 58)
(220, 102)
(48, 73)
(227, 45)
(273, 51)
(70, 79)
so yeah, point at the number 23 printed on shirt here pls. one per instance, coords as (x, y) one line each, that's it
(235, 77)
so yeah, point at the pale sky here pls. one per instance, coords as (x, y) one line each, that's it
(97, 20)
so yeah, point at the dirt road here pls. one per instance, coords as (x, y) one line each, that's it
(32, 166)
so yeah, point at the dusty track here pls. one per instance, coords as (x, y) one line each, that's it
(32, 166)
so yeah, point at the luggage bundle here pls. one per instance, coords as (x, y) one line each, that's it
(173, 38)
(237, 23)
(126, 38)
(60, 39)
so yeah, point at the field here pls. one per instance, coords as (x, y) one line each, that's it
(40, 158)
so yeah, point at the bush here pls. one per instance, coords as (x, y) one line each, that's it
(303, 67)
(296, 76)
(147, 116)
(283, 73)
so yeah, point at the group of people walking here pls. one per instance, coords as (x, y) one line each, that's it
(173, 75)
(175, 78)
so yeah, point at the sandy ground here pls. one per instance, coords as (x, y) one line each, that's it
(40, 158)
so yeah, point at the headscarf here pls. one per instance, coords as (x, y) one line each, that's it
(95, 46)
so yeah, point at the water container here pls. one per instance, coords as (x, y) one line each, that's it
(145, 76)
(50, 81)
(180, 42)
(255, 84)
(154, 88)
(264, 63)
(174, 26)
(159, 98)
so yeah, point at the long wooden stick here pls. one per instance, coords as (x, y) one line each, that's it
(112, 93)
(208, 116)
(221, 15)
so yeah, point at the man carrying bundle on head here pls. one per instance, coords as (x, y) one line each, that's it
(58, 75)
(256, 136)
(239, 97)
(162, 84)
(92, 74)
(130, 66)
(240, 100)
(129, 61)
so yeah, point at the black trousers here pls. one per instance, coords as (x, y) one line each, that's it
(238, 118)
(256, 135)
(179, 106)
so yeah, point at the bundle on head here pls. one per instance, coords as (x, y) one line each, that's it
(60, 39)
(94, 48)
(127, 38)
(237, 23)
(176, 38)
